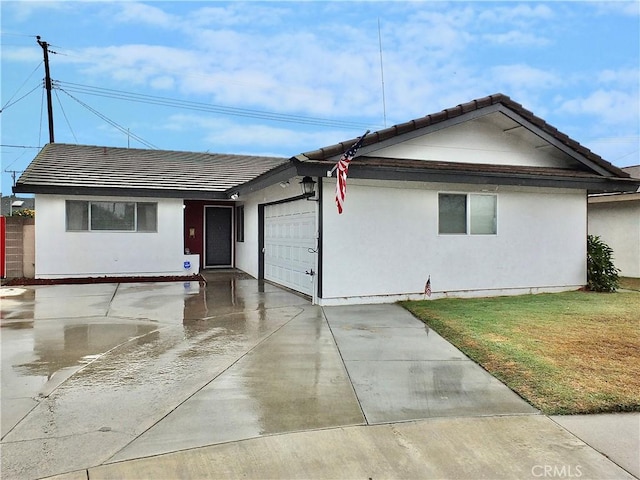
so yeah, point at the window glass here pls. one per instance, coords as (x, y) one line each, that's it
(240, 223)
(77, 215)
(452, 213)
(147, 218)
(113, 216)
(483, 214)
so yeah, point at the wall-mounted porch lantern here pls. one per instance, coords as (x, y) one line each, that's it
(308, 186)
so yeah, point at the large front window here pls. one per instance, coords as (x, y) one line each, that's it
(111, 216)
(461, 213)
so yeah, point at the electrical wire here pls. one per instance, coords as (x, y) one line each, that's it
(22, 97)
(17, 34)
(16, 146)
(64, 114)
(110, 122)
(41, 116)
(23, 84)
(204, 107)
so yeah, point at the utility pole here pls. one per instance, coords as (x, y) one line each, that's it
(47, 84)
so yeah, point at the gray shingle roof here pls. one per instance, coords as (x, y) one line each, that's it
(68, 168)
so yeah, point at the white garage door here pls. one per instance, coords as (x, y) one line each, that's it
(289, 241)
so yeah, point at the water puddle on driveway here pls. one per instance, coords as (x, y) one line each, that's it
(91, 384)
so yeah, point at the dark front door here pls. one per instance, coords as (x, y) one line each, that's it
(218, 237)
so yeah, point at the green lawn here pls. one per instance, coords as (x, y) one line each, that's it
(573, 352)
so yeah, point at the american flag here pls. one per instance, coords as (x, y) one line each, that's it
(427, 287)
(343, 167)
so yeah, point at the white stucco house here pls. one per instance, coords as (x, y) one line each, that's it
(615, 217)
(485, 198)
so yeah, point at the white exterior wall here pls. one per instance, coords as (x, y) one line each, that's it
(617, 223)
(62, 254)
(476, 141)
(386, 243)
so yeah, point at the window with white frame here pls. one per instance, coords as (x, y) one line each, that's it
(462, 213)
(83, 216)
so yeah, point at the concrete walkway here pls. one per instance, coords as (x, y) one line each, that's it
(240, 379)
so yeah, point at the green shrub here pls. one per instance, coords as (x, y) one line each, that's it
(602, 275)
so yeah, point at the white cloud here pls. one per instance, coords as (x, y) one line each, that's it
(163, 82)
(515, 38)
(611, 106)
(227, 135)
(629, 8)
(521, 76)
(624, 76)
(516, 12)
(22, 54)
(237, 14)
(24, 10)
(134, 12)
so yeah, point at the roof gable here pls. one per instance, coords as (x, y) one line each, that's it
(484, 140)
(514, 120)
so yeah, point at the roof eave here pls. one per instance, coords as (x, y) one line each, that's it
(119, 192)
(591, 184)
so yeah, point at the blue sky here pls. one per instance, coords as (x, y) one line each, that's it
(229, 68)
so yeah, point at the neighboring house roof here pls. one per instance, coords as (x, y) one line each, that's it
(591, 171)
(633, 170)
(616, 197)
(81, 169)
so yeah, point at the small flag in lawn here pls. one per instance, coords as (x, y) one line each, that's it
(343, 167)
(427, 287)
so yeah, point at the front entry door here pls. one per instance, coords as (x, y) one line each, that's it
(218, 237)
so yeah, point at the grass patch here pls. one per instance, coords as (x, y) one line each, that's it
(629, 283)
(566, 353)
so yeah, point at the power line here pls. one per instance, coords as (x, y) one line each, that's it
(23, 84)
(16, 146)
(64, 114)
(110, 122)
(204, 107)
(10, 34)
(22, 97)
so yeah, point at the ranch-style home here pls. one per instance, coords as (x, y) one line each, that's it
(484, 199)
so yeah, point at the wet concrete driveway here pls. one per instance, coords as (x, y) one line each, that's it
(98, 374)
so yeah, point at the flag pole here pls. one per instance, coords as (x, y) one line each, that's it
(330, 172)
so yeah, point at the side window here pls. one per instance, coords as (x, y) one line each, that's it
(77, 214)
(113, 216)
(240, 223)
(147, 217)
(83, 216)
(483, 214)
(461, 214)
(452, 213)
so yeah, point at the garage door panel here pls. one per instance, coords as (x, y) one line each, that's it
(290, 237)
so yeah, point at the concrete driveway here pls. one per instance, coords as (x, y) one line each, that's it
(236, 378)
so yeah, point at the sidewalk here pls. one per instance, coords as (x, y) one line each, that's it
(515, 447)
